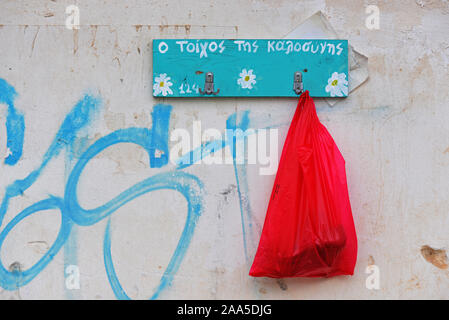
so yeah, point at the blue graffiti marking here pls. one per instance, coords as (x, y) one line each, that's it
(154, 141)
(190, 187)
(15, 123)
(159, 135)
(11, 280)
(77, 119)
(206, 149)
(143, 137)
(241, 181)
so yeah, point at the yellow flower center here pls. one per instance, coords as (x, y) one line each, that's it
(161, 84)
(247, 78)
(334, 83)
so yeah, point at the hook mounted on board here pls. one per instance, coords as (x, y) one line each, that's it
(209, 85)
(298, 86)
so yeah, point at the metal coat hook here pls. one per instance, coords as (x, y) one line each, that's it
(298, 85)
(209, 85)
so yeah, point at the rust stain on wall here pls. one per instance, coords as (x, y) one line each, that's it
(34, 39)
(413, 283)
(162, 27)
(75, 41)
(437, 257)
(94, 36)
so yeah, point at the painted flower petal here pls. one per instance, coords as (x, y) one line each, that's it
(337, 85)
(338, 91)
(342, 78)
(156, 90)
(344, 89)
(246, 79)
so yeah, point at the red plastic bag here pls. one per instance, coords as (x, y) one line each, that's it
(308, 229)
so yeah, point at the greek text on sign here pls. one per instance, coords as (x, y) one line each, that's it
(249, 68)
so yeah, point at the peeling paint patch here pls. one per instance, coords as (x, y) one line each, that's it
(39, 246)
(437, 257)
(114, 121)
(432, 4)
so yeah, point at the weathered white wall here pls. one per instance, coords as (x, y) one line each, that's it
(392, 132)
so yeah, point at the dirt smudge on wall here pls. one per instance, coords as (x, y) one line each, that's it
(282, 284)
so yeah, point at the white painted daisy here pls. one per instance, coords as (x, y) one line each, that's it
(247, 79)
(162, 85)
(337, 85)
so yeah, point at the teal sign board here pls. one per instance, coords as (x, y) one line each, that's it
(249, 68)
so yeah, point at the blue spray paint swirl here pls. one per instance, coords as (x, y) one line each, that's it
(11, 280)
(78, 118)
(191, 188)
